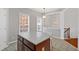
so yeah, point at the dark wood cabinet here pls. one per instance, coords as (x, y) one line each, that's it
(43, 46)
(25, 45)
(25, 48)
(19, 44)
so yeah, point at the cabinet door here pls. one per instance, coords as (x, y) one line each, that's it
(19, 45)
(26, 48)
(43, 46)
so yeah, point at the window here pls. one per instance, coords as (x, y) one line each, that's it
(39, 24)
(24, 23)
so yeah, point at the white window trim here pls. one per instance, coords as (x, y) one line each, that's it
(21, 14)
(39, 24)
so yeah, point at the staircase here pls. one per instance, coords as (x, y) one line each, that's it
(66, 32)
(61, 45)
(73, 41)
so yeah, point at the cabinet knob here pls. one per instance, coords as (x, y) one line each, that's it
(43, 48)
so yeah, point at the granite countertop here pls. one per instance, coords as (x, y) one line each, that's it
(35, 37)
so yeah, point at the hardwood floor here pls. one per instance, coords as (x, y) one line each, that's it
(73, 41)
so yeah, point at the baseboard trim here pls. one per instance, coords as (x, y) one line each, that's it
(3, 47)
(7, 45)
(12, 42)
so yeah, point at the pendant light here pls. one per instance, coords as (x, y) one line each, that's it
(44, 15)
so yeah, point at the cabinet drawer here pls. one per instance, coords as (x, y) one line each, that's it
(29, 44)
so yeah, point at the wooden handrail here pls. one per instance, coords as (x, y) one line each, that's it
(66, 29)
(67, 33)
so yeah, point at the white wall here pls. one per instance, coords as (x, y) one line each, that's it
(71, 20)
(14, 21)
(78, 28)
(3, 27)
(52, 23)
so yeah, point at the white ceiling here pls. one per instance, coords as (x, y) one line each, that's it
(47, 10)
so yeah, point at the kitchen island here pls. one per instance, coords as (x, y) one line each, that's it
(33, 41)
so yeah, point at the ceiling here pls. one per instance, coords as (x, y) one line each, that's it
(47, 10)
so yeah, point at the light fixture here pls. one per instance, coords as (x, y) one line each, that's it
(44, 15)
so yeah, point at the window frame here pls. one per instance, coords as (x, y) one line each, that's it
(39, 24)
(23, 14)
